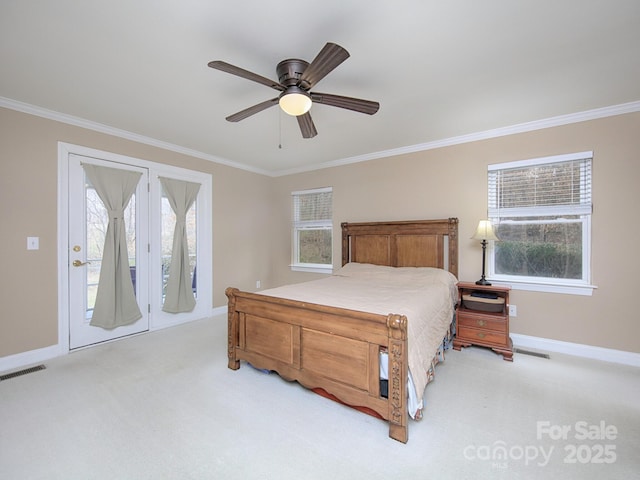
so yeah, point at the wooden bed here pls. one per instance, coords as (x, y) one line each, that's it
(336, 349)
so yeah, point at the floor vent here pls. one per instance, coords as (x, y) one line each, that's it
(533, 354)
(19, 373)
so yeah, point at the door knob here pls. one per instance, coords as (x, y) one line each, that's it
(78, 263)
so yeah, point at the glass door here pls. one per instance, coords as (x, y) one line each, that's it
(88, 219)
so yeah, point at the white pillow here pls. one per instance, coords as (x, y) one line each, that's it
(410, 275)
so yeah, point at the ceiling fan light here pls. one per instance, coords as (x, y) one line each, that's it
(295, 101)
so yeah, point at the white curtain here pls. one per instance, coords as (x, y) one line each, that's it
(116, 303)
(179, 294)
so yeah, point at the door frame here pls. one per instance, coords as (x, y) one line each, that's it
(157, 318)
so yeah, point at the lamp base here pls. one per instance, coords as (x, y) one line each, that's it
(483, 281)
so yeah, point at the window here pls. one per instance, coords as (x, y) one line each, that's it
(312, 230)
(167, 226)
(542, 212)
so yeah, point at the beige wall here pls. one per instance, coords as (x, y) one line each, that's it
(452, 182)
(28, 207)
(251, 220)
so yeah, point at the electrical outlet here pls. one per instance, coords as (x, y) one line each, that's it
(513, 311)
(258, 284)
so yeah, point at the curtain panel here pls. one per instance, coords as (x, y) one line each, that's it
(179, 293)
(115, 303)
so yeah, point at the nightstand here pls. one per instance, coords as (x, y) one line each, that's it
(483, 318)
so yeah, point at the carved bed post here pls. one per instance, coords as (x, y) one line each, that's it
(345, 243)
(232, 328)
(398, 374)
(453, 246)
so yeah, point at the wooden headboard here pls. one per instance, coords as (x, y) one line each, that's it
(420, 243)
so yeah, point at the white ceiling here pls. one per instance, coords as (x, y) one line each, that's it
(440, 69)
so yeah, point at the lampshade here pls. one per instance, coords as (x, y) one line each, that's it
(484, 231)
(295, 101)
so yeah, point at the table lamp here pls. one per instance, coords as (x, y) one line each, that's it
(484, 232)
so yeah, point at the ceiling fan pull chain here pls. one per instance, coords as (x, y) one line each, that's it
(279, 129)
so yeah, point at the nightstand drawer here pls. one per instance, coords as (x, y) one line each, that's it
(480, 336)
(484, 322)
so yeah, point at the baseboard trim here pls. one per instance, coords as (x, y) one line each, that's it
(32, 357)
(576, 349)
(24, 359)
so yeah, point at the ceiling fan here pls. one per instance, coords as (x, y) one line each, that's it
(295, 80)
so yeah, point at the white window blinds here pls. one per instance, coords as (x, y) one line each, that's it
(312, 208)
(550, 186)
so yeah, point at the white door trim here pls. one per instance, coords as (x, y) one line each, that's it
(157, 320)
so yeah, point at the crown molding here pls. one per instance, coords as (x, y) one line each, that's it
(578, 117)
(116, 132)
(560, 120)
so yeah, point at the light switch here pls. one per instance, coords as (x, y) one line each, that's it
(33, 243)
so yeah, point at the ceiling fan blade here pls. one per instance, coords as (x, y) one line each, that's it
(356, 104)
(241, 72)
(329, 58)
(307, 127)
(247, 112)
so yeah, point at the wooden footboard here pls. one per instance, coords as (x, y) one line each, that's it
(325, 347)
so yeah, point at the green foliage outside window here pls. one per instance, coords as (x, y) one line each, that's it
(315, 246)
(547, 250)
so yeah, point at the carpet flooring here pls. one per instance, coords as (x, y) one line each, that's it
(164, 405)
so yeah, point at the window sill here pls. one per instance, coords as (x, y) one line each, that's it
(312, 268)
(569, 289)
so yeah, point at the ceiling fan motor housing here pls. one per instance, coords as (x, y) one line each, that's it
(289, 72)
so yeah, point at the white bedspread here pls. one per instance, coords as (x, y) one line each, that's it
(426, 296)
